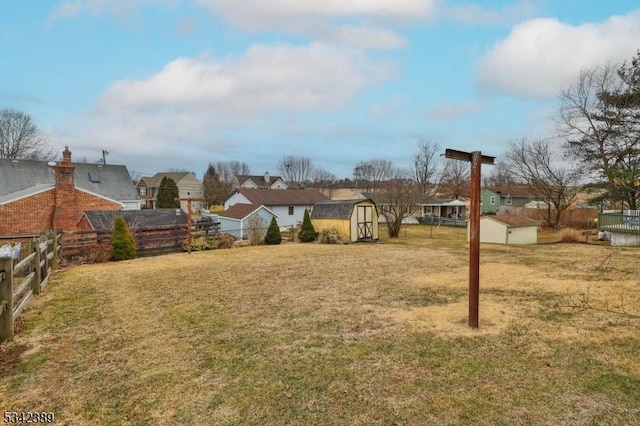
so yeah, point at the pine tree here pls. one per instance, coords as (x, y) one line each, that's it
(307, 231)
(273, 233)
(167, 194)
(213, 193)
(122, 243)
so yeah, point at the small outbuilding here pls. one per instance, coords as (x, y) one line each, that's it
(240, 220)
(507, 229)
(355, 220)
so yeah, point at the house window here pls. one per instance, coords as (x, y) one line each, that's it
(507, 201)
(142, 190)
(492, 200)
(290, 210)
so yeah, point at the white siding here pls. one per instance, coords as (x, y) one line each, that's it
(235, 199)
(493, 231)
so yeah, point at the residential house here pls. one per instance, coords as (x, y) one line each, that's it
(288, 204)
(423, 207)
(355, 219)
(188, 187)
(507, 229)
(494, 197)
(264, 181)
(240, 220)
(37, 196)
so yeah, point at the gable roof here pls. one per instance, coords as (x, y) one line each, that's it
(336, 209)
(282, 197)
(259, 180)
(513, 221)
(513, 191)
(99, 219)
(23, 178)
(241, 211)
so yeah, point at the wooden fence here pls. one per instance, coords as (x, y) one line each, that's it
(95, 245)
(571, 218)
(20, 282)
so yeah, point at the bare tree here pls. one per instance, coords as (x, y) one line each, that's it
(500, 175)
(600, 120)
(427, 170)
(554, 182)
(370, 175)
(256, 229)
(455, 178)
(20, 137)
(220, 176)
(398, 197)
(295, 169)
(323, 180)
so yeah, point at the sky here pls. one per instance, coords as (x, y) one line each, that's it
(176, 84)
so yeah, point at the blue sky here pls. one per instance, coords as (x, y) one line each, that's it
(176, 84)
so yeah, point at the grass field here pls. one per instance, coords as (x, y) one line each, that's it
(370, 334)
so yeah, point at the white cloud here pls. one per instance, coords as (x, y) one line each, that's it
(540, 57)
(266, 78)
(260, 14)
(202, 104)
(115, 8)
(474, 14)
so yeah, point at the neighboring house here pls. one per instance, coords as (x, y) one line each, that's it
(239, 219)
(424, 207)
(97, 220)
(288, 204)
(449, 208)
(188, 187)
(355, 220)
(493, 197)
(37, 196)
(259, 182)
(507, 229)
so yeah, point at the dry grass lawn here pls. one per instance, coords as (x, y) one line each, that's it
(336, 334)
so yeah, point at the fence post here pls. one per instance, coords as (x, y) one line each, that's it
(35, 247)
(6, 298)
(54, 249)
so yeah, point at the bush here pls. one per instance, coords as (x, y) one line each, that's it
(122, 243)
(273, 233)
(307, 231)
(570, 235)
(330, 236)
(225, 241)
(199, 243)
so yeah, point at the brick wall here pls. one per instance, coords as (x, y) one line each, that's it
(28, 215)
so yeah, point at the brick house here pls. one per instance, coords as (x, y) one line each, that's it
(37, 196)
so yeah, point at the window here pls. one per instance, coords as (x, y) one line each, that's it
(508, 201)
(290, 210)
(142, 190)
(492, 200)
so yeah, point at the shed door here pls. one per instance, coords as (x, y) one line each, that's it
(365, 222)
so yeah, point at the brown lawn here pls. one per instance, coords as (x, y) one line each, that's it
(336, 334)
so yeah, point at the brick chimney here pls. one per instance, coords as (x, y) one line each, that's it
(65, 213)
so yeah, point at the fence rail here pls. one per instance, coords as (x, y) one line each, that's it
(22, 278)
(627, 222)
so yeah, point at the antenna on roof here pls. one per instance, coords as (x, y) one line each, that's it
(104, 156)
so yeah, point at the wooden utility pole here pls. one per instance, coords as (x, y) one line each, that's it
(189, 200)
(476, 159)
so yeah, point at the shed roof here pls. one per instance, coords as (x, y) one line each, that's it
(283, 197)
(22, 178)
(100, 219)
(336, 209)
(513, 221)
(241, 211)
